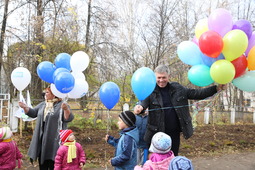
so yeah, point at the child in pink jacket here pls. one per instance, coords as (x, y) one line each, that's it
(9, 151)
(70, 155)
(161, 153)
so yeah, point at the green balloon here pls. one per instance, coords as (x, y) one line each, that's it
(222, 71)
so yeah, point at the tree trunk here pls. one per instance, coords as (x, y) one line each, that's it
(2, 36)
(39, 39)
(83, 101)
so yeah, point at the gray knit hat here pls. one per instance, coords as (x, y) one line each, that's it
(180, 163)
(128, 118)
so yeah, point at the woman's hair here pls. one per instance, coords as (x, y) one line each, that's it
(49, 89)
(162, 69)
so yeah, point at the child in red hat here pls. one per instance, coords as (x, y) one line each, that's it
(70, 154)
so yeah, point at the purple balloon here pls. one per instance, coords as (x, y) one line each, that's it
(243, 25)
(220, 21)
(195, 40)
(251, 44)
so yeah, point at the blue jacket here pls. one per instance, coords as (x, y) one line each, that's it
(141, 122)
(126, 149)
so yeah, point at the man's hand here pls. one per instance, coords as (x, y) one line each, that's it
(221, 87)
(138, 109)
(106, 138)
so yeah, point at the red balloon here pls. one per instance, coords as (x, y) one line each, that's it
(211, 44)
(240, 65)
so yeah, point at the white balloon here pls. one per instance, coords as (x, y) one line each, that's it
(56, 92)
(20, 78)
(79, 61)
(78, 75)
(81, 87)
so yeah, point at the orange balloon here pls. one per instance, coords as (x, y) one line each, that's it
(251, 59)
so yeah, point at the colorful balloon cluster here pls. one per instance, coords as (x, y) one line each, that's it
(65, 75)
(222, 51)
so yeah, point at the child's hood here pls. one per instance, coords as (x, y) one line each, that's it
(132, 132)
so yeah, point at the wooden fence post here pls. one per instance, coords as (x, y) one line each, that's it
(254, 117)
(232, 116)
(206, 115)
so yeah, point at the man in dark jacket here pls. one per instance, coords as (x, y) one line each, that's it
(168, 107)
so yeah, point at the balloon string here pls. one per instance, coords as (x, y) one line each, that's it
(194, 104)
(108, 119)
(107, 132)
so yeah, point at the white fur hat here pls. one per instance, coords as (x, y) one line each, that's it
(5, 133)
(160, 143)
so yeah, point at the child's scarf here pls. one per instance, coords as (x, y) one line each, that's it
(71, 151)
(7, 140)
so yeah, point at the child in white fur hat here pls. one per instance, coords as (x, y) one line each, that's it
(9, 151)
(161, 153)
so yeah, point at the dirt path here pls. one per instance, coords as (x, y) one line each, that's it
(240, 161)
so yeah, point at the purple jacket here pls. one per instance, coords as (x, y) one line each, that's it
(9, 153)
(157, 162)
(61, 158)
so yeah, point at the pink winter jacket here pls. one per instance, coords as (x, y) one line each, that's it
(9, 153)
(157, 162)
(61, 158)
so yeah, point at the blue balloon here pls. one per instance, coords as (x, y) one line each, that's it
(45, 71)
(59, 70)
(143, 82)
(109, 94)
(199, 75)
(209, 60)
(63, 61)
(64, 82)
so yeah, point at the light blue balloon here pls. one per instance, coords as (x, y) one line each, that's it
(143, 82)
(64, 82)
(45, 71)
(246, 82)
(199, 75)
(63, 61)
(189, 53)
(109, 94)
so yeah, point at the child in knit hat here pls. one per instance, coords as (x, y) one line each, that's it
(180, 163)
(126, 145)
(161, 153)
(9, 151)
(70, 154)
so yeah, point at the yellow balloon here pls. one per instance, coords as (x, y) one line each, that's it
(235, 43)
(222, 71)
(201, 27)
(251, 59)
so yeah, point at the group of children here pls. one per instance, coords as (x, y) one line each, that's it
(131, 151)
(70, 154)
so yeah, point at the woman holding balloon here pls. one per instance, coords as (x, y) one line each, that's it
(168, 107)
(52, 115)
